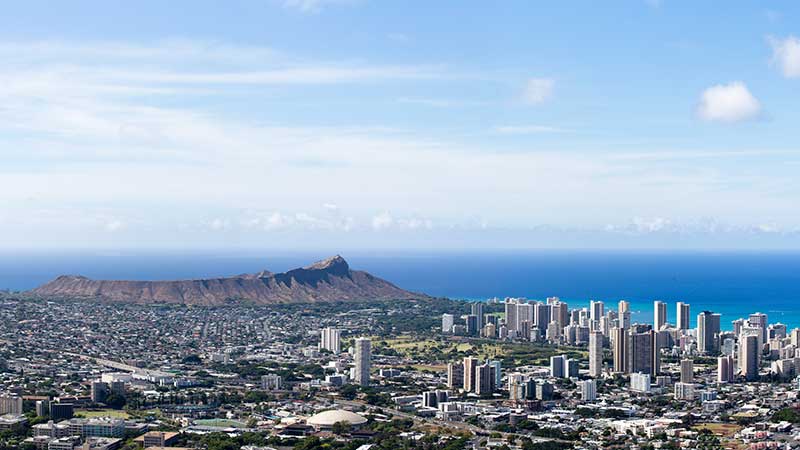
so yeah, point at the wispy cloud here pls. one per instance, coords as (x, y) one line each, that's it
(438, 102)
(140, 133)
(529, 129)
(786, 55)
(314, 6)
(538, 90)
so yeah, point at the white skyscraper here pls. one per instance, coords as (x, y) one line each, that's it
(640, 382)
(511, 314)
(524, 314)
(659, 314)
(624, 312)
(725, 369)
(595, 354)
(759, 320)
(748, 356)
(363, 355)
(448, 320)
(330, 339)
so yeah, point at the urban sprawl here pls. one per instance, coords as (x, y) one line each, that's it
(410, 374)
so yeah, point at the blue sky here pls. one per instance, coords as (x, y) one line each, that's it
(363, 123)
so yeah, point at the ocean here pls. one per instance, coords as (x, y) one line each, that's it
(734, 284)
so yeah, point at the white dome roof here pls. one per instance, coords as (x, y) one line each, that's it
(328, 418)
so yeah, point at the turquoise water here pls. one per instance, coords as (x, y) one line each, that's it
(734, 284)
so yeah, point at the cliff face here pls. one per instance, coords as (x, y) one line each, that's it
(328, 280)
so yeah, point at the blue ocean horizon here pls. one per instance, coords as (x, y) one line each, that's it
(732, 283)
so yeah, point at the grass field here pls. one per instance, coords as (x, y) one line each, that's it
(431, 351)
(115, 413)
(720, 429)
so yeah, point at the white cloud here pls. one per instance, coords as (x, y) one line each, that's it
(66, 129)
(415, 223)
(114, 225)
(528, 129)
(786, 55)
(382, 221)
(731, 102)
(220, 224)
(313, 6)
(538, 90)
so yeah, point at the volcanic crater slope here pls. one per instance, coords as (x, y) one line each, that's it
(325, 281)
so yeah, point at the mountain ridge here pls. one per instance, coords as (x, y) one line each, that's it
(327, 280)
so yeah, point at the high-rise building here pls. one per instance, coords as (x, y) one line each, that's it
(794, 337)
(541, 316)
(363, 356)
(477, 310)
(61, 411)
(661, 339)
(271, 381)
(776, 331)
(588, 390)
(455, 375)
(330, 339)
(725, 369)
(524, 315)
(559, 313)
(497, 370)
(624, 311)
(42, 408)
(659, 314)
(431, 399)
(472, 325)
(516, 387)
(511, 314)
(619, 343)
(684, 391)
(484, 380)
(708, 324)
(595, 354)
(640, 382)
(758, 333)
(98, 391)
(571, 368)
(10, 404)
(748, 357)
(448, 320)
(470, 373)
(759, 320)
(738, 324)
(687, 371)
(639, 352)
(596, 310)
(544, 391)
(557, 366)
(682, 312)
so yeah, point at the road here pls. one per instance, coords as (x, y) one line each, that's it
(122, 366)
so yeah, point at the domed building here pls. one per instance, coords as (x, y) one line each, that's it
(324, 421)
